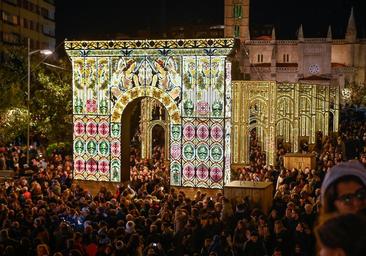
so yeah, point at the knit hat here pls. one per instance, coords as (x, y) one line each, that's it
(130, 227)
(350, 168)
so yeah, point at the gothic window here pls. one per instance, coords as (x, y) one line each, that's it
(286, 58)
(236, 31)
(237, 11)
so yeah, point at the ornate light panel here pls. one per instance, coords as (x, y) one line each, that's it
(191, 78)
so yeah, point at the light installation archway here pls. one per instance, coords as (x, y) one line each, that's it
(290, 111)
(191, 78)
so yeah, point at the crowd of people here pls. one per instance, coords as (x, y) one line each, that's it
(45, 212)
(143, 170)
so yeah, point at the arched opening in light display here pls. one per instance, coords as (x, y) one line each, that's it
(143, 134)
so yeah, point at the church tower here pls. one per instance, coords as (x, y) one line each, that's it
(237, 19)
(351, 32)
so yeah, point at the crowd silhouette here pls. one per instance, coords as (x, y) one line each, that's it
(43, 211)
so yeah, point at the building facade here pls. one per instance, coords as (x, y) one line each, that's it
(288, 91)
(305, 60)
(23, 19)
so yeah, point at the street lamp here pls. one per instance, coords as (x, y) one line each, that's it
(30, 53)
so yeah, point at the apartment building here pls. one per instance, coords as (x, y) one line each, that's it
(23, 19)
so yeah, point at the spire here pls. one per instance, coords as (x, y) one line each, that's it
(300, 34)
(351, 32)
(351, 20)
(329, 34)
(273, 34)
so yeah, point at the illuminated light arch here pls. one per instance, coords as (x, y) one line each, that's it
(306, 101)
(284, 127)
(285, 99)
(260, 99)
(284, 119)
(152, 92)
(189, 77)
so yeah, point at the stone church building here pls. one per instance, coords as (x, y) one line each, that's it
(304, 60)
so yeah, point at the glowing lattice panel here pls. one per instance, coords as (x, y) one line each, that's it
(203, 119)
(91, 148)
(189, 77)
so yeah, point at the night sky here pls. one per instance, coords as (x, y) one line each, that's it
(84, 19)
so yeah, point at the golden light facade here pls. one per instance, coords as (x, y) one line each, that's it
(293, 112)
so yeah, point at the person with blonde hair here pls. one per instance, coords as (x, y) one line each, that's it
(42, 250)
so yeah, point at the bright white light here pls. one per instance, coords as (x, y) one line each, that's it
(46, 52)
(346, 93)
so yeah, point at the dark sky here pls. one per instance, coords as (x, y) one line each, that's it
(82, 19)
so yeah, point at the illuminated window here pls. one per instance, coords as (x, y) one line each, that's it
(237, 11)
(10, 18)
(236, 31)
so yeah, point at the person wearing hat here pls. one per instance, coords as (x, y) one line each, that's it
(130, 227)
(343, 189)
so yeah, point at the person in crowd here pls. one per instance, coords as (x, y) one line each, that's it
(344, 189)
(342, 235)
(254, 246)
